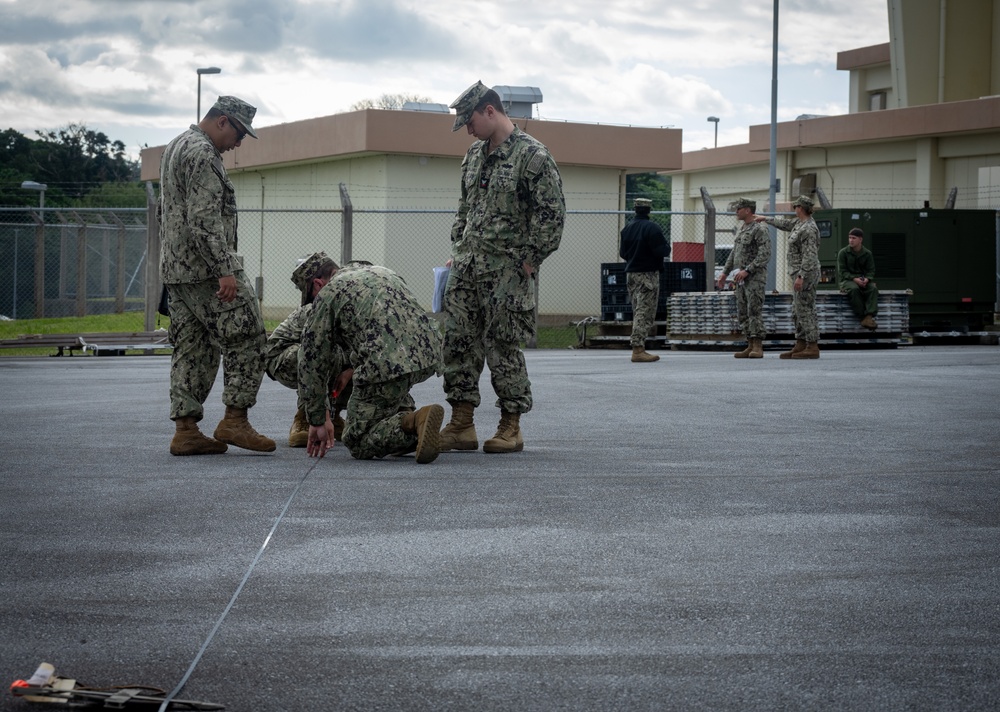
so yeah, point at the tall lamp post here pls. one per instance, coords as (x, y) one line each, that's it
(715, 120)
(40, 187)
(203, 70)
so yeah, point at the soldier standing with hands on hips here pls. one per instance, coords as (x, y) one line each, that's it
(213, 310)
(510, 218)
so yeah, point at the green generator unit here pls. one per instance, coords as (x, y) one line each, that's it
(947, 258)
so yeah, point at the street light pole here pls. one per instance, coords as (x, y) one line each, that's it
(715, 120)
(40, 187)
(203, 70)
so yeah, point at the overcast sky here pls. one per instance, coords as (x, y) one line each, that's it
(127, 67)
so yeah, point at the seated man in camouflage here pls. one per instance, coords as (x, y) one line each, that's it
(281, 353)
(368, 312)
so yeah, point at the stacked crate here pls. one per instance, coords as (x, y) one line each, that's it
(675, 277)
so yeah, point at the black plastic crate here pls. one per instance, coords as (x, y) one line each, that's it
(613, 275)
(682, 277)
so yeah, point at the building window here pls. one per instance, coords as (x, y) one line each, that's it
(876, 101)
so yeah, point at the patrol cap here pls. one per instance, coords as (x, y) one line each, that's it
(466, 103)
(236, 108)
(642, 203)
(310, 268)
(746, 203)
(803, 201)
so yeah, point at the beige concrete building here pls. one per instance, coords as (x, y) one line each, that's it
(924, 120)
(404, 167)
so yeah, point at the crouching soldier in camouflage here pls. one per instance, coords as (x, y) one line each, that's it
(213, 311)
(369, 312)
(281, 354)
(750, 254)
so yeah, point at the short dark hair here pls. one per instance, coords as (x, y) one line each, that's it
(490, 98)
(857, 232)
(326, 270)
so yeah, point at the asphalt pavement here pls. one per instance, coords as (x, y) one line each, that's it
(702, 533)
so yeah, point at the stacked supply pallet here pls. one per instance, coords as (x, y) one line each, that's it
(709, 318)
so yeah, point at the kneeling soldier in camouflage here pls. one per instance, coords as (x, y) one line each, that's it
(281, 353)
(369, 312)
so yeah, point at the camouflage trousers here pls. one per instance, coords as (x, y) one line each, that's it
(644, 293)
(375, 415)
(488, 316)
(284, 368)
(204, 330)
(750, 308)
(804, 313)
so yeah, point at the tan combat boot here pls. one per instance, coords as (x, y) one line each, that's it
(236, 430)
(869, 322)
(460, 433)
(189, 440)
(298, 436)
(756, 348)
(745, 353)
(810, 351)
(640, 355)
(425, 424)
(799, 346)
(508, 436)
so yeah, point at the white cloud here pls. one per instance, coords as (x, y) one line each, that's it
(128, 68)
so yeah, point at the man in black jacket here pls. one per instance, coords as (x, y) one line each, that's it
(644, 248)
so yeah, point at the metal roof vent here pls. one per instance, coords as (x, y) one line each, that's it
(426, 106)
(517, 101)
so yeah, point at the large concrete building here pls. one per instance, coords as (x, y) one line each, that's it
(401, 170)
(923, 124)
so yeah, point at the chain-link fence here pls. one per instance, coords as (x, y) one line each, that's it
(79, 262)
(59, 262)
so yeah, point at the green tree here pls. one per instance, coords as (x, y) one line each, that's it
(72, 161)
(654, 186)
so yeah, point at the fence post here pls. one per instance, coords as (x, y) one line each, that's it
(346, 226)
(119, 266)
(81, 265)
(709, 239)
(153, 285)
(39, 265)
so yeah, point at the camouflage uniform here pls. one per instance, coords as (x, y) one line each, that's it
(803, 260)
(751, 252)
(198, 246)
(281, 354)
(368, 312)
(511, 211)
(644, 293)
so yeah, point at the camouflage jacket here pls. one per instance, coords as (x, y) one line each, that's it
(751, 250)
(287, 333)
(369, 313)
(511, 209)
(197, 212)
(802, 258)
